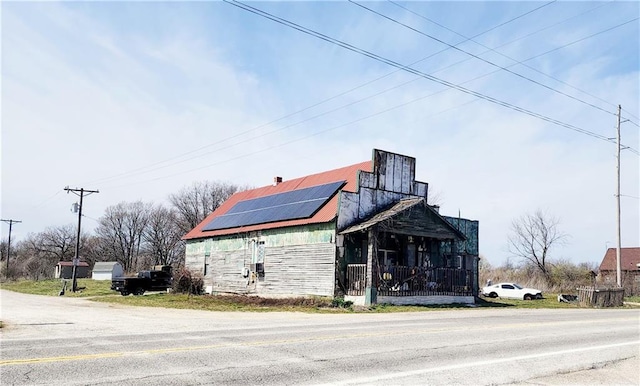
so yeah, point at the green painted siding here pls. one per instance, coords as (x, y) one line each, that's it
(303, 235)
(470, 230)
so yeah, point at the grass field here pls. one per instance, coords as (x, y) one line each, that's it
(100, 291)
(88, 287)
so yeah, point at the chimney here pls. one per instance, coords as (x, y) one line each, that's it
(277, 180)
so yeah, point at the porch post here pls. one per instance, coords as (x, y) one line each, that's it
(371, 293)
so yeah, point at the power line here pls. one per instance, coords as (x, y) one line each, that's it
(411, 70)
(266, 149)
(193, 153)
(167, 162)
(480, 58)
(508, 57)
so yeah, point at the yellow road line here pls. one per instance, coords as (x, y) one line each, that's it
(10, 362)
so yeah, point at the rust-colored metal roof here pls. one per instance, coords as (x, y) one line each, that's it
(629, 258)
(326, 213)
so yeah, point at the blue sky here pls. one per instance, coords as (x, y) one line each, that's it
(139, 99)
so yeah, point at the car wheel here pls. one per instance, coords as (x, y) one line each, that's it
(493, 295)
(538, 296)
(138, 291)
(124, 293)
(528, 297)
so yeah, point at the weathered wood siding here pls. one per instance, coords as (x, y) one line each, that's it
(226, 272)
(392, 179)
(419, 221)
(298, 261)
(299, 270)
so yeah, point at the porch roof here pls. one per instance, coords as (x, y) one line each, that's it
(404, 206)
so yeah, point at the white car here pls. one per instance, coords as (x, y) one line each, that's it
(511, 290)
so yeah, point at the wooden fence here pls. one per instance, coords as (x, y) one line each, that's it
(600, 297)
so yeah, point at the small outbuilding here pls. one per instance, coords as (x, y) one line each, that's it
(629, 269)
(64, 270)
(106, 270)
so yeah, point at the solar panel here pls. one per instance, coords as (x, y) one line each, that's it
(292, 205)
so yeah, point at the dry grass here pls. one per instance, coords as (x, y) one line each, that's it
(52, 287)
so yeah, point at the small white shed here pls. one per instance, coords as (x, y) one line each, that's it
(106, 270)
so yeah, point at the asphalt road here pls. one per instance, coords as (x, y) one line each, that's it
(56, 341)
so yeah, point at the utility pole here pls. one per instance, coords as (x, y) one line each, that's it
(10, 222)
(76, 260)
(619, 245)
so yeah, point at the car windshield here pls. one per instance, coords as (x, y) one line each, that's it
(517, 286)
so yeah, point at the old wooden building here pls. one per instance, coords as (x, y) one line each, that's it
(364, 231)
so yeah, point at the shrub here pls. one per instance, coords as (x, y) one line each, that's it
(341, 303)
(187, 282)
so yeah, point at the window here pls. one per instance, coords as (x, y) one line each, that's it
(387, 258)
(258, 252)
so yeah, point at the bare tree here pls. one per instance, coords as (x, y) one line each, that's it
(163, 236)
(197, 201)
(434, 197)
(38, 253)
(533, 236)
(56, 242)
(121, 231)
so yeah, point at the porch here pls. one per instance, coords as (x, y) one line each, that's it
(409, 254)
(407, 285)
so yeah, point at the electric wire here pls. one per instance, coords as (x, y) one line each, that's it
(265, 134)
(167, 162)
(314, 134)
(146, 169)
(515, 60)
(482, 59)
(414, 71)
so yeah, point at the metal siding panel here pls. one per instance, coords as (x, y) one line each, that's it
(348, 209)
(388, 172)
(408, 166)
(399, 163)
(367, 180)
(421, 189)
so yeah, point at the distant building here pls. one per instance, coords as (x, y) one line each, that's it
(365, 232)
(64, 270)
(106, 270)
(629, 269)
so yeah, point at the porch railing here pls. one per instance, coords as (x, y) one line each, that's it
(356, 279)
(407, 281)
